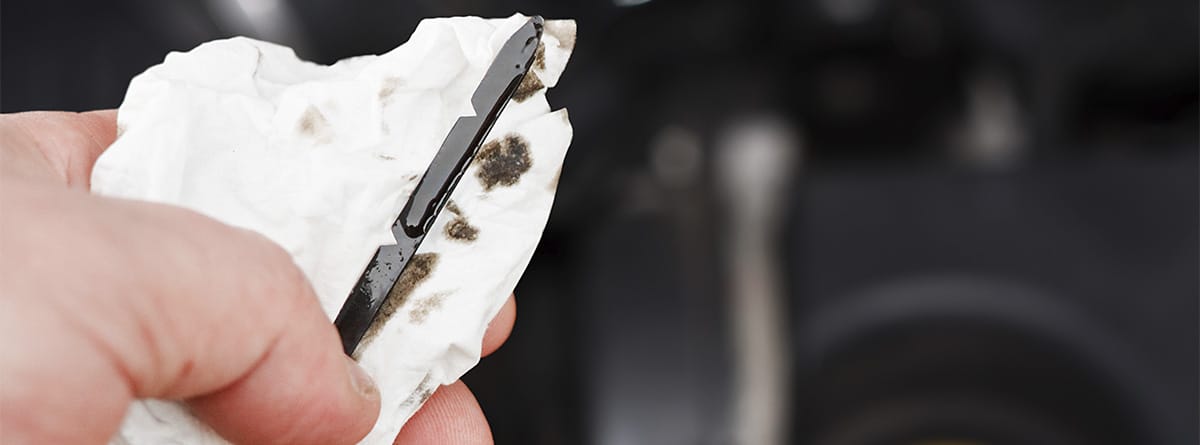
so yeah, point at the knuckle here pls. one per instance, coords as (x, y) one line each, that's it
(267, 279)
(277, 275)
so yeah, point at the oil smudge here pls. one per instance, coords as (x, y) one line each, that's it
(313, 124)
(502, 162)
(530, 85)
(459, 229)
(422, 308)
(539, 57)
(563, 31)
(419, 268)
(420, 394)
(389, 87)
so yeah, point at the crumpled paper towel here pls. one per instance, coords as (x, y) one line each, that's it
(321, 160)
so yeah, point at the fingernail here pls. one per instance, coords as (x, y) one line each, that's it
(361, 382)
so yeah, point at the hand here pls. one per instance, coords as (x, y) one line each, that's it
(104, 301)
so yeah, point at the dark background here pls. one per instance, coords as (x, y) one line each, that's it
(973, 222)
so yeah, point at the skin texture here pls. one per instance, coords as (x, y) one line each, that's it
(103, 301)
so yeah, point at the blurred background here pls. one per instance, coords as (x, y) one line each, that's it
(813, 222)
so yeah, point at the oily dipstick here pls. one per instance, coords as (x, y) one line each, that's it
(378, 282)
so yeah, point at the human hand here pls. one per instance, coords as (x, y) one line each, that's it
(104, 301)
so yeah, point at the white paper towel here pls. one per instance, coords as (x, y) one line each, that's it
(322, 158)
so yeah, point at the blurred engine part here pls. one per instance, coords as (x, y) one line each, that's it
(755, 168)
(1052, 305)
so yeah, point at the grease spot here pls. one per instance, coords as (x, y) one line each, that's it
(529, 85)
(421, 309)
(539, 57)
(423, 392)
(419, 268)
(563, 31)
(459, 229)
(314, 125)
(389, 87)
(502, 162)
(386, 157)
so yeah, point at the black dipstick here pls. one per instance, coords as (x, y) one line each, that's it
(506, 72)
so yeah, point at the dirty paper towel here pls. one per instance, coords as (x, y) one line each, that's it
(321, 159)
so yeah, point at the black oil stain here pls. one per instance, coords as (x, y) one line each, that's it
(502, 162)
(528, 87)
(539, 57)
(419, 268)
(421, 309)
(386, 157)
(314, 125)
(459, 229)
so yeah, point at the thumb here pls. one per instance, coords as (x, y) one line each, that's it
(161, 302)
(303, 389)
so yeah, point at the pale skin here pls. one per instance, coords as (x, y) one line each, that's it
(105, 301)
